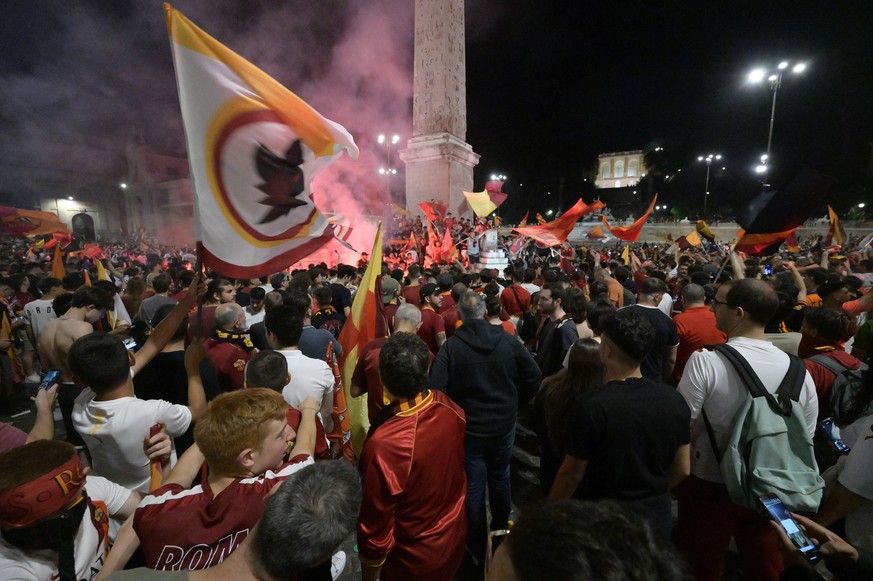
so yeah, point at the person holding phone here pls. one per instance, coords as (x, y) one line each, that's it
(846, 562)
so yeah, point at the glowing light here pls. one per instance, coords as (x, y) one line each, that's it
(381, 138)
(861, 205)
(123, 185)
(799, 67)
(395, 139)
(761, 169)
(70, 198)
(757, 75)
(783, 65)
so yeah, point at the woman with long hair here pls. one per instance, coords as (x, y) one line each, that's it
(553, 403)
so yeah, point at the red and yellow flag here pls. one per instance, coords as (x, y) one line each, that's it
(253, 147)
(58, 263)
(630, 233)
(596, 233)
(836, 233)
(359, 329)
(555, 232)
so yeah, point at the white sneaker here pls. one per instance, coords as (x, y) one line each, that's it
(337, 564)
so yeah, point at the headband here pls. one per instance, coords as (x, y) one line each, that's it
(43, 496)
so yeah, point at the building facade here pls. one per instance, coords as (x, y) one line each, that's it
(621, 169)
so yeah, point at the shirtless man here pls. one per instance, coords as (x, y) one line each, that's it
(88, 306)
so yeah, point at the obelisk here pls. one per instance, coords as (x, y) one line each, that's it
(439, 163)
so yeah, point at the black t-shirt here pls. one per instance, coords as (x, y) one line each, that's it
(665, 337)
(628, 432)
(340, 298)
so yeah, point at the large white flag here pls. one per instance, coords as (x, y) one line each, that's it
(254, 147)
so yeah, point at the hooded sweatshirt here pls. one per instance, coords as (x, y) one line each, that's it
(488, 373)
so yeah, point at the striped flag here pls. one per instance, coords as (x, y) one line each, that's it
(363, 325)
(253, 147)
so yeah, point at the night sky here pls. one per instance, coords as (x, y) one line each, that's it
(550, 84)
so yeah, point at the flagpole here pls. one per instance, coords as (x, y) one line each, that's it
(198, 269)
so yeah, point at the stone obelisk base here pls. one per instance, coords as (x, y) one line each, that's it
(439, 166)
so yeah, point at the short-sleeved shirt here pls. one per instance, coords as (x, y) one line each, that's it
(90, 542)
(431, 325)
(864, 340)
(192, 529)
(857, 477)
(515, 299)
(114, 430)
(341, 297)
(666, 337)
(308, 377)
(39, 313)
(411, 294)
(628, 432)
(710, 381)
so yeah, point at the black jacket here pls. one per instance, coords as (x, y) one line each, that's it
(488, 373)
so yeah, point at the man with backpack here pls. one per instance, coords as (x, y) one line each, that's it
(711, 385)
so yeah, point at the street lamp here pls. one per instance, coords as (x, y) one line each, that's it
(708, 159)
(388, 171)
(775, 78)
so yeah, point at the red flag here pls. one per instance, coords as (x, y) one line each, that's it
(524, 220)
(567, 267)
(494, 189)
(556, 231)
(17, 222)
(91, 251)
(630, 233)
(763, 244)
(540, 219)
(448, 247)
(434, 211)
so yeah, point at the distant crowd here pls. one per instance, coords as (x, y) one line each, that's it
(187, 399)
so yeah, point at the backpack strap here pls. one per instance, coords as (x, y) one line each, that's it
(789, 388)
(828, 363)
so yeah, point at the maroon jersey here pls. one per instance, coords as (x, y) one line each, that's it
(190, 529)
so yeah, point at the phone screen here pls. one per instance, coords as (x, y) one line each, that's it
(768, 270)
(781, 515)
(833, 434)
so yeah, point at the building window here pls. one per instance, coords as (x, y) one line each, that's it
(632, 168)
(618, 183)
(604, 170)
(619, 168)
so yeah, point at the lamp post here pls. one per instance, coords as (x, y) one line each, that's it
(775, 78)
(388, 171)
(708, 159)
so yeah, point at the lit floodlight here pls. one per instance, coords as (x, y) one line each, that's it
(772, 78)
(381, 138)
(861, 205)
(761, 169)
(757, 75)
(395, 138)
(123, 186)
(799, 68)
(699, 158)
(783, 65)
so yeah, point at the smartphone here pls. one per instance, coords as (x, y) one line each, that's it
(833, 434)
(130, 343)
(768, 269)
(773, 505)
(49, 379)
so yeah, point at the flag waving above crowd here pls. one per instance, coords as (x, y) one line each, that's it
(253, 147)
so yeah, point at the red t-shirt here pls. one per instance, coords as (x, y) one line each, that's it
(515, 307)
(230, 362)
(411, 294)
(431, 326)
(695, 328)
(448, 302)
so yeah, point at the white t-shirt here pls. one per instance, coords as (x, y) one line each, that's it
(114, 430)
(254, 318)
(666, 305)
(39, 313)
(17, 565)
(856, 476)
(530, 287)
(308, 377)
(709, 378)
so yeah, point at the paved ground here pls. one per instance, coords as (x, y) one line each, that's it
(525, 490)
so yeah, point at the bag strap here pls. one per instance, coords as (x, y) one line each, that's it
(789, 388)
(828, 363)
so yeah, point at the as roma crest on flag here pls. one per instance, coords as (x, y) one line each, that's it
(254, 148)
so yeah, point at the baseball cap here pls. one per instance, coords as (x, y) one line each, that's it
(389, 288)
(427, 290)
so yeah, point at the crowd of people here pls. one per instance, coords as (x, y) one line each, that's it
(187, 399)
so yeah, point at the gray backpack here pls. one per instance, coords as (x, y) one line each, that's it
(845, 388)
(770, 449)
